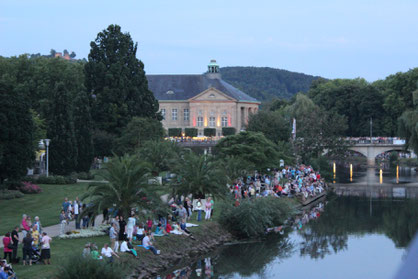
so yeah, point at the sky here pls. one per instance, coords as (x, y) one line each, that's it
(329, 38)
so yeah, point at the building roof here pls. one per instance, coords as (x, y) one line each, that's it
(184, 87)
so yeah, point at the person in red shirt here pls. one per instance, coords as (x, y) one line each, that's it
(168, 227)
(7, 251)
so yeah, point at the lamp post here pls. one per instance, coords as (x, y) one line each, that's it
(47, 155)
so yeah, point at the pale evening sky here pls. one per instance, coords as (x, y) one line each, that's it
(330, 38)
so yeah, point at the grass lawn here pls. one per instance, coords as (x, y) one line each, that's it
(60, 249)
(46, 205)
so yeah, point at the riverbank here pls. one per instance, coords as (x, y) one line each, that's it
(178, 249)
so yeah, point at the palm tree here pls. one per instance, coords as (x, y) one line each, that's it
(162, 155)
(199, 174)
(130, 185)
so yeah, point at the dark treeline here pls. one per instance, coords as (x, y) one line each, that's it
(82, 106)
(265, 83)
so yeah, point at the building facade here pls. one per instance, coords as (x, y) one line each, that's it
(201, 101)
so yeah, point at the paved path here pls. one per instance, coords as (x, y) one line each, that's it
(54, 230)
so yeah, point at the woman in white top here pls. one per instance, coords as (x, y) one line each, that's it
(130, 226)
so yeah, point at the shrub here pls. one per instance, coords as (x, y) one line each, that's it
(228, 131)
(190, 132)
(10, 194)
(78, 267)
(29, 188)
(174, 132)
(85, 175)
(12, 185)
(252, 217)
(55, 179)
(209, 132)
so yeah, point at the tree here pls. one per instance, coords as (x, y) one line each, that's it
(52, 52)
(60, 129)
(235, 167)
(190, 132)
(272, 124)
(16, 137)
(408, 125)
(116, 79)
(252, 147)
(103, 143)
(137, 132)
(209, 132)
(162, 155)
(66, 52)
(128, 187)
(73, 55)
(83, 132)
(199, 175)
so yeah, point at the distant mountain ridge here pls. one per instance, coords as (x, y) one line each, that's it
(264, 83)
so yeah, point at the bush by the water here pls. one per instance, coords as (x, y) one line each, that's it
(10, 194)
(79, 267)
(253, 216)
(30, 188)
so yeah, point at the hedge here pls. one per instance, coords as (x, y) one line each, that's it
(228, 131)
(174, 132)
(191, 132)
(209, 132)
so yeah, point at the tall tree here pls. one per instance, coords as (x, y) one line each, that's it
(83, 132)
(116, 79)
(16, 137)
(63, 147)
(272, 124)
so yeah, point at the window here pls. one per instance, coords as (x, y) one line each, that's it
(174, 114)
(186, 114)
(200, 112)
(224, 121)
(199, 121)
(212, 121)
(163, 113)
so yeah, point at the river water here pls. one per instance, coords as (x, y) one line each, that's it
(361, 233)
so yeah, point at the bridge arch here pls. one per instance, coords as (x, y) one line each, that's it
(372, 150)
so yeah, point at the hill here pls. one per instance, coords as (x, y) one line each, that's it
(265, 83)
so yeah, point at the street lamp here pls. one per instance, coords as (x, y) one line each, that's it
(47, 155)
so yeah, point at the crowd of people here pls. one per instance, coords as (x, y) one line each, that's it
(301, 181)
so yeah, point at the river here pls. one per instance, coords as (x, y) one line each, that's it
(361, 233)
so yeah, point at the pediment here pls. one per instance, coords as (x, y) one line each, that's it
(212, 94)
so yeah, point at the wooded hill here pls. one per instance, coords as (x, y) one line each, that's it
(265, 83)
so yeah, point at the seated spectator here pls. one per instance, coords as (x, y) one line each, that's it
(94, 253)
(140, 233)
(146, 242)
(124, 248)
(159, 230)
(86, 250)
(108, 253)
(168, 228)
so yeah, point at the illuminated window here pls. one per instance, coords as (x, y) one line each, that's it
(224, 121)
(212, 121)
(199, 121)
(186, 114)
(163, 113)
(174, 114)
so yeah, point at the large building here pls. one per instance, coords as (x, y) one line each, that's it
(201, 101)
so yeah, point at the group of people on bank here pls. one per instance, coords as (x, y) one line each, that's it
(300, 181)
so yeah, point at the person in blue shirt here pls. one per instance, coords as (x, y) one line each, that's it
(5, 273)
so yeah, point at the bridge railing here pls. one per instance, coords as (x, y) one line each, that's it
(375, 140)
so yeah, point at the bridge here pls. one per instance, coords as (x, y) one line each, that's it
(372, 148)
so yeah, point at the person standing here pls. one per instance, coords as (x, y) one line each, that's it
(65, 205)
(208, 208)
(15, 241)
(199, 209)
(77, 213)
(63, 222)
(113, 234)
(122, 227)
(38, 225)
(212, 205)
(130, 226)
(46, 248)
(24, 224)
(7, 251)
(27, 249)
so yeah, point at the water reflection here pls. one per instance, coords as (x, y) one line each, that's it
(319, 234)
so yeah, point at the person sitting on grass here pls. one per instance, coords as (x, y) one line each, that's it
(86, 250)
(146, 242)
(127, 247)
(7, 273)
(140, 233)
(108, 253)
(159, 230)
(94, 253)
